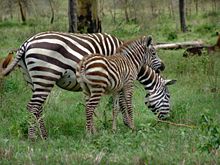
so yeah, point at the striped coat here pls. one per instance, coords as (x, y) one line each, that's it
(99, 75)
(158, 98)
(51, 58)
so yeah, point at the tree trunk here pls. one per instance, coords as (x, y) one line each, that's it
(52, 12)
(135, 11)
(188, 8)
(126, 10)
(22, 11)
(152, 5)
(72, 16)
(88, 20)
(114, 11)
(214, 5)
(170, 8)
(101, 8)
(197, 6)
(182, 16)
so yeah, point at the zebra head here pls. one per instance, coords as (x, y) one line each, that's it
(158, 100)
(154, 62)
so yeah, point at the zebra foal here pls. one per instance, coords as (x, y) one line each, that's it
(99, 75)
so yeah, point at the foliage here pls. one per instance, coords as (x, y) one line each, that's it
(172, 36)
(208, 28)
(211, 134)
(195, 101)
(126, 29)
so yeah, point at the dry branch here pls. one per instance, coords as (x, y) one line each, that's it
(176, 124)
(180, 45)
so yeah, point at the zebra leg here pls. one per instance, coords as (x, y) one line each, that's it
(115, 111)
(36, 122)
(127, 97)
(91, 104)
(32, 123)
(35, 108)
(123, 109)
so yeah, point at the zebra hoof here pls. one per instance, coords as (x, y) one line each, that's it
(32, 138)
(44, 137)
(164, 117)
(91, 131)
(132, 128)
(114, 130)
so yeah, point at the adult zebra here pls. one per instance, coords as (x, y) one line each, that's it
(157, 99)
(99, 75)
(51, 58)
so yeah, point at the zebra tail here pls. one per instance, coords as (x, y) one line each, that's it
(7, 60)
(7, 66)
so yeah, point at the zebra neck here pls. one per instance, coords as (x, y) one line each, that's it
(135, 56)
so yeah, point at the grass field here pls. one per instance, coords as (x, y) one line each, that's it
(195, 102)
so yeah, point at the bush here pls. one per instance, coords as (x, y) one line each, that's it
(172, 36)
(210, 131)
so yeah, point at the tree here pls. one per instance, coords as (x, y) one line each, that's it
(126, 10)
(88, 19)
(182, 16)
(72, 15)
(52, 11)
(196, 6)
(22, 10)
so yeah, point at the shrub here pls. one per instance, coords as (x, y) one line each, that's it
(210, 132)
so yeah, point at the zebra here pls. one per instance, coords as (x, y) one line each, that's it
(50, 58)
(157, 99)
(99, 75)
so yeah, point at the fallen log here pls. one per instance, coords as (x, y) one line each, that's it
(180, 45)
(198, 50)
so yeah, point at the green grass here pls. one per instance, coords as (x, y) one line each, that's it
(195, 101)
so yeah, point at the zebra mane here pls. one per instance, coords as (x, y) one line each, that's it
(129, 43)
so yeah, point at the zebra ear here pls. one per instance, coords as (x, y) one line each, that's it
(149, 40)
(170, 82)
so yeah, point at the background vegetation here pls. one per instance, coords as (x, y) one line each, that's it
(195, 97)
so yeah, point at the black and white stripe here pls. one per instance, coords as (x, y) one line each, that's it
(158, 98)
(99, 75)
(51, 58)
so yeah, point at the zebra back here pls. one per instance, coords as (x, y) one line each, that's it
(123, 66)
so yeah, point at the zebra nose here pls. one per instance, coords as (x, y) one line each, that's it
(164, 116)
(162, 66)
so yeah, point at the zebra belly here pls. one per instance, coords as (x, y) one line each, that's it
(68, 81)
